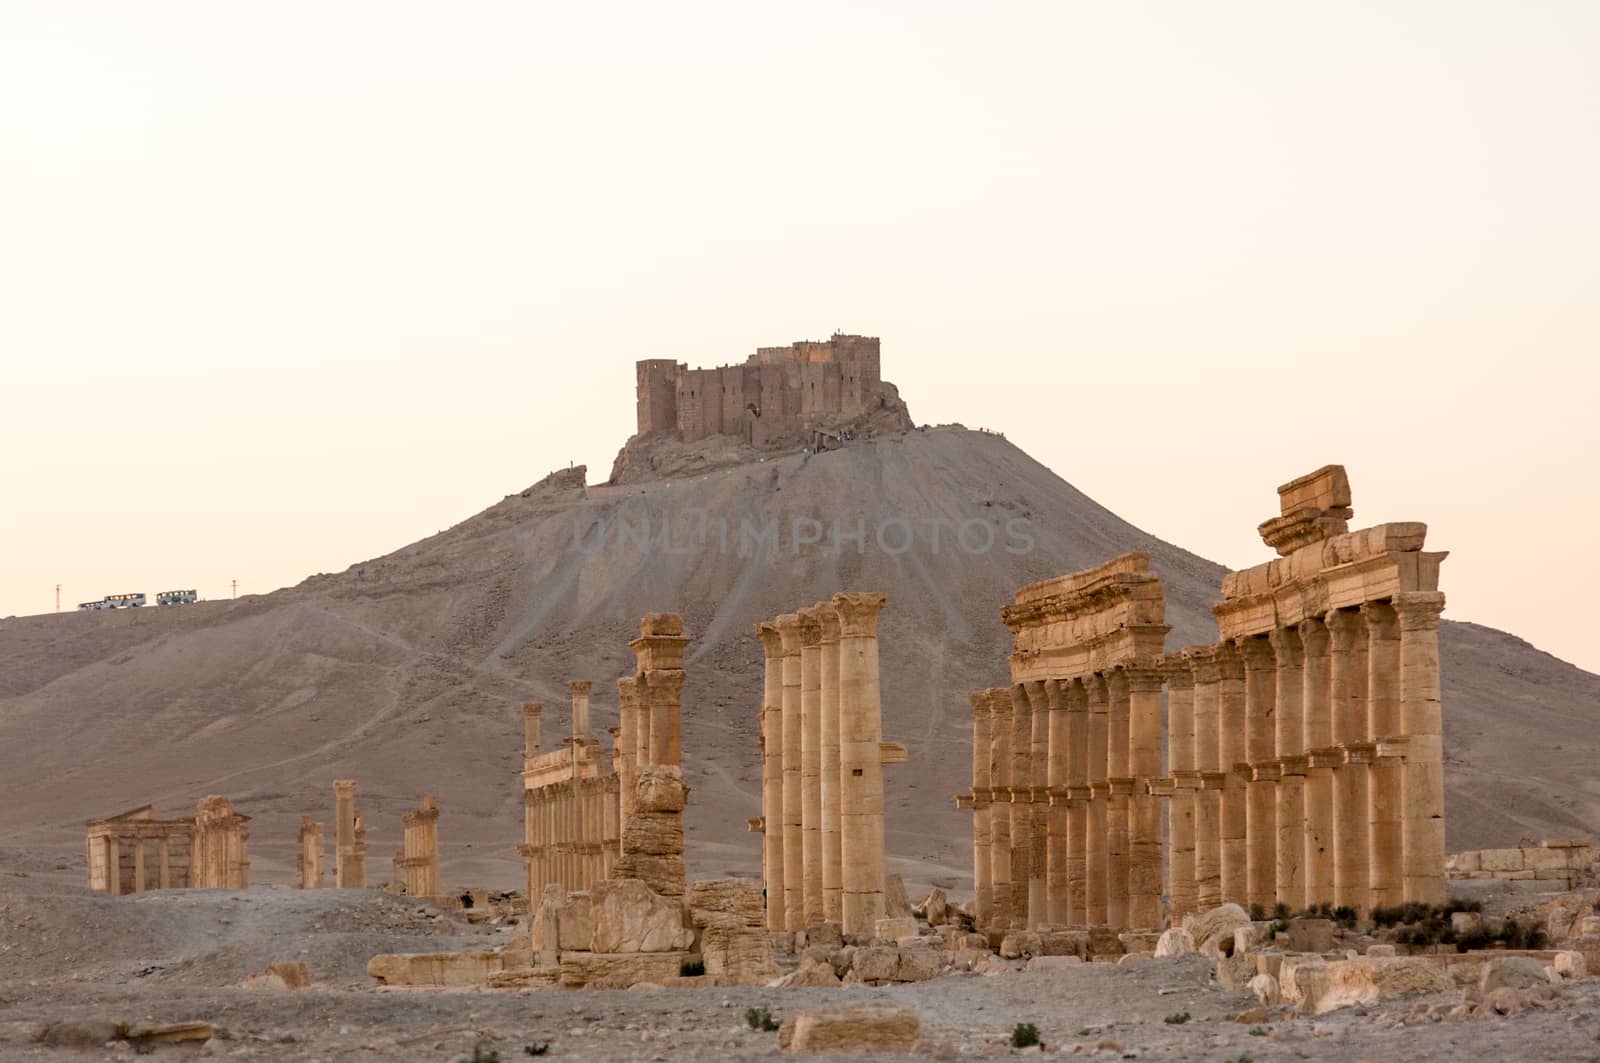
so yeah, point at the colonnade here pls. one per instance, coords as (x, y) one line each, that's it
(822, 766)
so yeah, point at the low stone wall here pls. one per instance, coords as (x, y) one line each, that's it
(1553, 864)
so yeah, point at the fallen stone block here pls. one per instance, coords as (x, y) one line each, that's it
(1215, 926)
(1343, 983)
(810, 973)
(1515, 972)
(1174, 942)
(917, 965)
(628, 916)
(895, 929)
(596, 970)
(1265, 987)
(1021, 944)
(874, 964)
(935, 907)
(1053, 963)
(896, 905)
(858, 1028)
(280, 976)
(739, 955)
(435, 968)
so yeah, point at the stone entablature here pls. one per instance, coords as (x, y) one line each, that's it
(774, 395)
(1553, 864)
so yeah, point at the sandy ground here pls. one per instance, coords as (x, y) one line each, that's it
(182, 956)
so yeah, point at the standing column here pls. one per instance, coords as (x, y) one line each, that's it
(771, 772)
(1144, 820)
(627, 753)
(1078, 801)
(860, 761)
(1231, 731)
(1000, 813)
(347, 870)
(580, 706)
(982, 883)
(1208, 763)
(832, 849)
(1385, 860)
(531, 711)
(1422, 724)
(1059, 828)
(1038, 802)
(1289, 737)
(1185, 783)
(794, 901)
(1261, 796)
(1096, 871)
(1021, 811)
(1350, 800)
(1321, 758)
(1120, 787)
(811, 761)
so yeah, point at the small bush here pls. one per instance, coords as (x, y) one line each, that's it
(1258, 1031)
(760, 1019)
(482, 1052)
(1258, 913)
(1025, 1035)
(1177, 1019)
(1478, 937)
(1242, 1059)
(691, 968)
(538, 1048)
(1280, 910)
(1344, 915)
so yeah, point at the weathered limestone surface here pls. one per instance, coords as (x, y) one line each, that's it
(133, 851)
(595, 970)
(309, 860)
(725, 902)
(629, 917)
(857, 1028)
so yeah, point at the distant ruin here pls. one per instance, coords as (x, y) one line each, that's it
(134, 851)
(806, 393)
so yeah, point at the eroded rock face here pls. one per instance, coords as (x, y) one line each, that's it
(1513, 972)
(660, 788)
(1174, 942)
(896, 905)
(280, 976)
(1343, 983)
(1215, 926)
(630, 917)
(859, 1028)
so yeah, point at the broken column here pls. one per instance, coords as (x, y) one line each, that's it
(652, 842)
(309, 863)
(350, 864)
(771, 772)
(221, 858)
(860, 761)
(419, 855)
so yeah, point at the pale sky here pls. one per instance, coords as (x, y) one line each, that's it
(288, 286)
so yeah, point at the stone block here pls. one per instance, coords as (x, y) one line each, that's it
(1265, 987)
(858, 1028)
(1289, 974)
(917, 965)
(895, 929)
(596, 970)
(653, 833)
(826, 934)
(1139, 940)
(1214, 927)
(810, 973)
(1175, 942)
(1309, 935)
(738, 955)
(1515, 972)
(630, 917)
(1104, 942)
(1344, 983)
(1062, 943)
(660, 788)
(1380, 951)
(896, 905)
(1053, 963)
(726, 902)
(663, 874)
(1542, 859)
(1570, 963)
(1498, 860)
(280, 976)
(874, 964)
(436, 968)
(1021, 944)
(935, 907)
(1461, 863)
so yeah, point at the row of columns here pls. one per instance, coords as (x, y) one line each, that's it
(570, 826)
(1306, 765)
(1066, 829)
(822, 756)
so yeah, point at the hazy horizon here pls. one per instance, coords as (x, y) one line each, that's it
(290, 289)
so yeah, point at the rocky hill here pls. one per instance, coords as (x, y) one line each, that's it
(405, 671)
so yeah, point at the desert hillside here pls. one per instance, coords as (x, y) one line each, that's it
(405, 671)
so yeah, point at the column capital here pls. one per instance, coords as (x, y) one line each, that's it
(1314, 636)
(1075, 694)
(1230, 662)
(1144, 677)
(1203, 662)
(530, 711)
(344, 787)
(788, 626)
(1288, 646)
(580, 686)
(1177, 670)
(810, 627)
(858, 612)
(1342, 627)
(1382, 621)
(1055, 694)
(979, 699)
(1117, 684)
(1419, 610)
(1020, 705)
(1256, 652)
(664, 682)
(828, 614)
(1099, 693)
(999, 702)
(771, 641)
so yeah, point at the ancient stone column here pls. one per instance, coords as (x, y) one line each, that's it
(1208, 764)
(1321, 759)
(530, 728)
(1021, 810)
(1144, 819)
(1077, 697)
(1097, 871)
(1038, 801)
(860, 761)
(1422, 725)
(310, 862)
(1385, 847)
(794, 901)
(1179, 675)
(627, 747)
(652, 843)
(1000, 812)
(349, 869)
(1289, 737)
(832, 848)
(771, 773)
(1231, 732)
(1261, 793)
(422, 844)
(580, 706)
(982, 882)
(1120, 787)
(1350, 800)
(811, 761)
(1059, 827)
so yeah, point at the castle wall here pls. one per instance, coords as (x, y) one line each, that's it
(768, 397)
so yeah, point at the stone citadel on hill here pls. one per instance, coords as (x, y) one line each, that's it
(810, 392)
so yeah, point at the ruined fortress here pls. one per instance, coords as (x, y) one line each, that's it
(809, 391)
